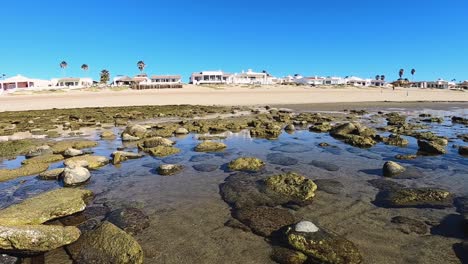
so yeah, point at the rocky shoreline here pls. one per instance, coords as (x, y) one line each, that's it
(262, 202)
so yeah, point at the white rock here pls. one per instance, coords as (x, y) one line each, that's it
(127, 137)
(306, 227)
(181, 131)
(75, 176)
(71, 152)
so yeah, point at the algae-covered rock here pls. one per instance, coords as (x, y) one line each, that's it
(50, 158)
(288, 256)
(163, 151)
(50, 174)
(210, 146)
(246, 164)
(25, 170)
(415, 197)
(392, 168)
(154, 142)
(129, 219)
(71, 152)
(121, 156)
(17, 147)
(39, 151)
(88, 161)
(406, 156)
(108, 135)
(268, 131)
(292, 185)
(60, 146)
(430, 147)
(106, 244)
(169, 169)
(135, 131)
(324, 247)
(181, 131)
(33, 239)
(343, 129)
(395, 119)
(44, 207)
(360, 141)
(127, 137)
(396, 140)
(321, 127)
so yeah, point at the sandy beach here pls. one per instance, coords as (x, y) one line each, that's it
(229, 95)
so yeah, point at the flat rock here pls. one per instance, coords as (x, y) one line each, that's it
(121, 156)
(33, 239)
(291, 148)
(204, 167)
(88, 161)
(51, 174)
(246, 164)
(329, 186)
(106, 244)
(201, 158)
(45, 207)
(410, 225)
(131, 220)
(415, 197)
(71, 152)
(210, 146)
(265, 220)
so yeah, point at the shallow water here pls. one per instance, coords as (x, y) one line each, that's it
(187, 214)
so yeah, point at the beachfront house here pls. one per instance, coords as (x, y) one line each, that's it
(211, 77)
(251, 77)
(72, 83)
(122, 81)
(439, 84)
(158, 82)
(20, 82)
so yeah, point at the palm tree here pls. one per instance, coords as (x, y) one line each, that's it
(413, 71)
(141, 65)
(105, 76)
(64, 66)
(84, 67)
(377, 77)
(401, 73)
(382, 77)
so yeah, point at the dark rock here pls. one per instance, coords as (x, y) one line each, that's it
(385, 185)
(265, 220)
(173, 160)
(406, 157)
(236, 224)
(463, 150)
(201, 158)
(430, 147)
(324, 165)
(291, 148)
(131, 220)
(329, 186)
(288, 256)
(205, 167)
(281, 159)
(415, 197)
(391, 169)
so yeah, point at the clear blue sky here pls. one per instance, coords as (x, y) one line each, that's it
(323, 37)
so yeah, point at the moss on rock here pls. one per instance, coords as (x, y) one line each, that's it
(88, 161)
(25, 170)
(51, 158)
(246, 164)
(210, 146)
(163, 151)
(292, 185)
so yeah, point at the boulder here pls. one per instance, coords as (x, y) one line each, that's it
(106, 244)
(45, 207)
(210, 146)
(50, 174)
(75, 176)
(342, 129)
(71, 152)
(169, 169)
(290, 128)
(108, 135)
(292, 185)
(127, 137)
(415, 197)
(135, 131)
(246, 164)
(35, 239)
(463, 150)
(121, 156)
(89, 161)
(392, 168)
(39, 151)
(154, 142)
(322, 246)
(181, 131)
(430, 147)
(360, 141)
(263, 220)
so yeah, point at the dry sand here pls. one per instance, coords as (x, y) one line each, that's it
(223, 95)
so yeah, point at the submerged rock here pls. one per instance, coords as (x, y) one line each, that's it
(396, 140)
(406, 156)
(281, 159)
(459, 120)
(169, 169)
(264, 221)
(324, 247)
(325, 165)
(463, 150)
(108, 135)
(205, 167)
(391, 168)
(210, 146)
(430, 147)
(200, 158)
(106, 244)
(50, 174)
(246, 164)
(121, 156)
(163, 151)
(288, 256)
(131, 220)
(34, 239)
(45, 207)
(415, 197)
(329, 186)
(292, 185)
(60, 146)
(291, 148)
(75, 176)
(409, 225)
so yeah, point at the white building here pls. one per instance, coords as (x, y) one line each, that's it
(72, 83)
(211, 77)
(20, 82)
(250, 77)
(356, 81)
(439, 84)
